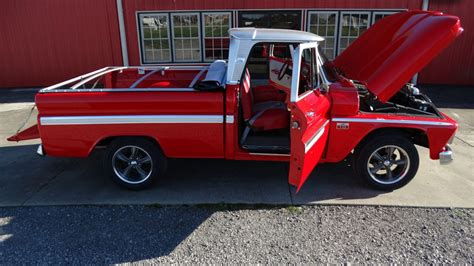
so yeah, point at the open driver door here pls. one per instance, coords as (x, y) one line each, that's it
(309, 105)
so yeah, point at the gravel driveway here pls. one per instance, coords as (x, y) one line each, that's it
(235, 234)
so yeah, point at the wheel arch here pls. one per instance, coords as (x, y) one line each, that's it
(105, 141)
(415, 135)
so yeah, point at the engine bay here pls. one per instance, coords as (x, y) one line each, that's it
(408, 100)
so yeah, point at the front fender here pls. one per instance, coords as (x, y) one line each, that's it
(345, 134)
(438, 137)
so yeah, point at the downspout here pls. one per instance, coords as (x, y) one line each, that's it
(424, 6)
(123, 37)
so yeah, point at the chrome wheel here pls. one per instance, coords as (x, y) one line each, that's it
(132, 164)
(388, 164)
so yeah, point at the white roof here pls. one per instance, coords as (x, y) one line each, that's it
(274, 35)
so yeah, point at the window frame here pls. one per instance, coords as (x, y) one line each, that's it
(203, 26)
(141, 38)
(295, 96)
(336, 26)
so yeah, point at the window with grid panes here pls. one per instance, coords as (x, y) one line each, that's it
(216, 37)
(155, 38)
(186, 37)
(352, 25)
(324, 24)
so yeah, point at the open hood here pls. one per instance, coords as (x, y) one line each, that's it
(394, 49)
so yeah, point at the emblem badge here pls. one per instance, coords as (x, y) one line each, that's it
(342, 126)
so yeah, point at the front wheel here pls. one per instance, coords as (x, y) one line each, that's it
(387, 162)
(134, 163)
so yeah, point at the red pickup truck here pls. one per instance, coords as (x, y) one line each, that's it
(294, 106)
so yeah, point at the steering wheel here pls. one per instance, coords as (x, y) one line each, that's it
(283, 70)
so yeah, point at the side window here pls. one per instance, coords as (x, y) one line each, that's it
(281, 51)
(257, 62)
(309, 74)
(259, 57)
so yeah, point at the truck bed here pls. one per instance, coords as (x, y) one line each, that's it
(76, 115)
(133, 78)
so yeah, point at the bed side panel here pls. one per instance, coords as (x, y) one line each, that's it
(181, 136)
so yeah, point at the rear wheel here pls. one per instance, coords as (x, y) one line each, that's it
(387, 162)
(134, 163)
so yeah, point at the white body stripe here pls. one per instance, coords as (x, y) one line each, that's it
(391, 121)
(132, 119)
(229, 119)
(308, 145)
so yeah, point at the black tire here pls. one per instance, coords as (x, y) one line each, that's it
(370, 161)
(134, 163)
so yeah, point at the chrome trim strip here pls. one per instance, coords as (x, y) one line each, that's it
(131, 119)
(84, 81)
(199, 66)
(229, 119)
(72, 80)
(395, 121)
(308, 145)
(196, 78)
(143, 78)
(269, 154)
(124, 90)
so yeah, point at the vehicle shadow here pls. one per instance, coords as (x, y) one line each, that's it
(95, 234)
(334, 182)
(18, 95)
(28, 179)
(266, 182)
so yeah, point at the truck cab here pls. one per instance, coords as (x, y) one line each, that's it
(294, 106)
(285, 115)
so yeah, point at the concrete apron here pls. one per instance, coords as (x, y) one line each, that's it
(29, 180)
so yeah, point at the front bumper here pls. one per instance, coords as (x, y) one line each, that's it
(446, 156)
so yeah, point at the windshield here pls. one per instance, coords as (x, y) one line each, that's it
(327, 67)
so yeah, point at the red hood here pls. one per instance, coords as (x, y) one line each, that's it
(394, 49)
